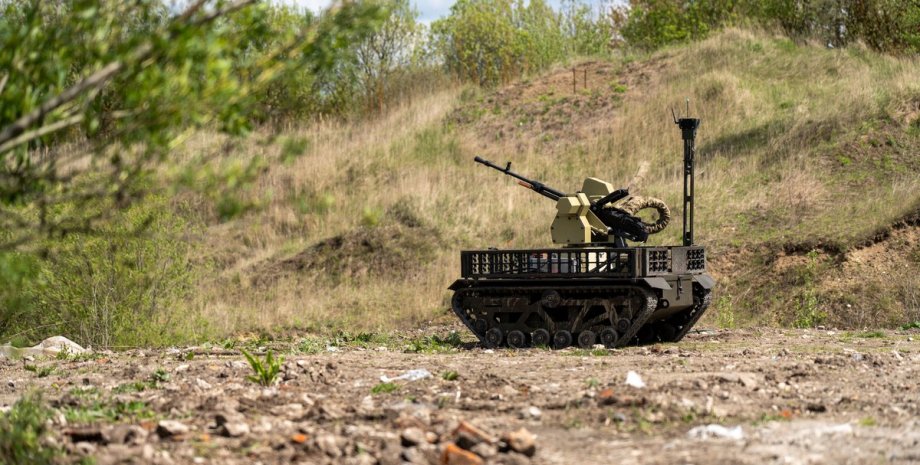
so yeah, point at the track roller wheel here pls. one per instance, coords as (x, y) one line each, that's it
(623, 325)
(562, 339)
(540, 337)
(480, 326)
(609, 338)
(516, 339)
(586, 339)
(494, 337)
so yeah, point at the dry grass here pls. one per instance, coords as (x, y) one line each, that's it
(799, 145)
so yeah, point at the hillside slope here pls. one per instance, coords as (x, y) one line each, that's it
(808, 188)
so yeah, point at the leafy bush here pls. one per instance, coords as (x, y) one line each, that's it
(491, 42)
(118, 287)
(887, 25)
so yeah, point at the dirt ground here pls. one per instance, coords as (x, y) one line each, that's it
(782, 396)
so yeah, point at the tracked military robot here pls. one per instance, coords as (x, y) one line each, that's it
(595, 288)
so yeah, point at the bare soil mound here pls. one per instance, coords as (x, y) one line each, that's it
(398, 250)
(559, 107)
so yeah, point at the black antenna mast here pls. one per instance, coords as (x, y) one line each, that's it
(688, 128)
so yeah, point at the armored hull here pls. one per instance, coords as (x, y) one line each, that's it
(615, 296)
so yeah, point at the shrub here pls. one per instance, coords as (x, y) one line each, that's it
(118, 287)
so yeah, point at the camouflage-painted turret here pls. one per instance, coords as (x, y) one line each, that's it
(596, 288)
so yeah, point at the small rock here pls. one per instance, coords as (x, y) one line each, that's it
(521, 441)
(182, 368)
(367, 407)
(454, 455)
(412, 437)
(85, 448)
(231, 425)
(508, 391)
(329, 445)
(414, 456)
(633, 379)
(126, 434)
(469, 435)
(361, 459)
(202, 384)
(716, 431)
(292, 411)
(484, 450)
(511, 458)
(606, 397)
(237, 364)
(530, 413)
(467, 441)
(171, 428)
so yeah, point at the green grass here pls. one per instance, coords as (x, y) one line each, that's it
(435, 344)
(450, 375)
(872, 335)
(40, 371)
(589, 352)
(265, 371)
(385, 388)
(24, 431)
(108, 410)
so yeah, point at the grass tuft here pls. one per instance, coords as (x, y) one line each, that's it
(265, 371)
(24, 432)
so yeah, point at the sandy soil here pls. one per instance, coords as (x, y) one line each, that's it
(798, 396)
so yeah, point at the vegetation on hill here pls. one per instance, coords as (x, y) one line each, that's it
(245, 185)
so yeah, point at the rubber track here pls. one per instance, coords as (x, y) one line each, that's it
(700, 309)
(625, 339)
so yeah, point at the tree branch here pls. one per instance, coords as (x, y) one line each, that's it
(106, 73)
(42, 131)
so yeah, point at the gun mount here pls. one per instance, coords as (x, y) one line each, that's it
(595, 288)
(587, 216)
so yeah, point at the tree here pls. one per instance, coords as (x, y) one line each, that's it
(387, 51)
(123, 83)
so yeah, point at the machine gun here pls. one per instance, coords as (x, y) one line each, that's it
(585, 217)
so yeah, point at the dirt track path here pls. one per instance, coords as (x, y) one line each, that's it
(798, 397)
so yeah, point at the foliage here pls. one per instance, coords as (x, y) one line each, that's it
(384, 388)
(491, 42)
(435, 344)
(386, 57)
(266, 371)
(587, 32)
(120, 286)
(808, 313)
(23, 430)
(132, 78)
(725, 312)
(887, 25)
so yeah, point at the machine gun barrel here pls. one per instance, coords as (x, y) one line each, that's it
(536, 186)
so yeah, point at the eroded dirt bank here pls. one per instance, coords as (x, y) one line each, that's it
(798, 396)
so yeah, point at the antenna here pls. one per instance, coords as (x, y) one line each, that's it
(688, 127)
